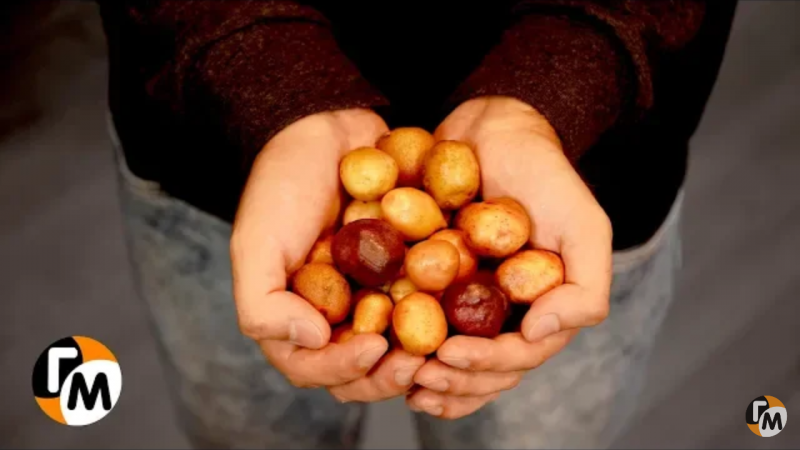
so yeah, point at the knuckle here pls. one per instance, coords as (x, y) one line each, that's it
(598, 312)
(250, 327)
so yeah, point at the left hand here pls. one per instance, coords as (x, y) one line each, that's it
(521, 157)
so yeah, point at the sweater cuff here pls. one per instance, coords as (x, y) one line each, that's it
(574, 75)
(261, 79)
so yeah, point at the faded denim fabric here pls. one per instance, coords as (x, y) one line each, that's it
(228, 396)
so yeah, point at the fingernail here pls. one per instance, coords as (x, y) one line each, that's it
(369, 357)
(404, 376)
(433, 408)
(543, 327)
(458, 363)
(304, 333)
(439, 385)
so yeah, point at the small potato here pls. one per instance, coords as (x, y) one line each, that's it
(342, 333)
(358, 210)
(370, 251)
(475, 309)
(432, 265)
(368, 173)
(408, 146)
(419, 324)
(451, 175)
(321, 251)
(372, 314)
(325, 288)
(530, 274)
(468, 262)
(494, 228)
(413, 213)
(401, 288)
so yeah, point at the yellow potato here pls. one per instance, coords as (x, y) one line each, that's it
(368, 173)
(358, 209)
(321, 251)
(401, 288)
(408, 146)
(468, 262)
(412, 212)
(342, 333)
(325, 288)
(494, 228)
(372, 314)
(530, 274)
(432, 265)
(451, 174)
(419, 324)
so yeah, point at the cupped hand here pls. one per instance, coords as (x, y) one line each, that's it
(291, 196)
(521, 157)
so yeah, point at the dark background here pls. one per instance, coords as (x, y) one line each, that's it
(733, 334)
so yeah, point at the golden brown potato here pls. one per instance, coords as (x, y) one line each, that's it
(401, 288)
(321, 251)
(419, 323)
(530, 274)
(342, 333)
(451, 174)
(408, 146)
(494, 228)
(358, 210)
(432, 265)
(368, 173)
(325, 288)
(468, 262)
(412, 212)
(372, 314)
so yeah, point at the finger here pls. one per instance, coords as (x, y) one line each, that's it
(332, 365)
(391, 377)
(439, 377)
(508, 352)
(447, 406)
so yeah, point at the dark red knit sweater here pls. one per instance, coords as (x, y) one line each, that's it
(197, 87)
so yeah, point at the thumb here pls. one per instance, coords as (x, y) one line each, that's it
(284, 316)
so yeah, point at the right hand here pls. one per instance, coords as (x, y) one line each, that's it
(287, 202)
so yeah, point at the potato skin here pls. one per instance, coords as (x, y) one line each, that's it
(369, 250)
(432, 265)
(475, 309)
(494, 228)
(321, 251)
(325, 288)
(401, 288)
(530, 274)
(451, 174)
(372, 314)
(358, 209)
(419, 323)
(342, 333)
(368, 173)
(408, 146)
(468, 262)
(413, 213)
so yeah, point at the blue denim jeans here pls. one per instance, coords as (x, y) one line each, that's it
(228, 396)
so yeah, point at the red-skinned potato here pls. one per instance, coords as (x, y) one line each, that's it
(370, 251)
(475, 309)
(494, 228)
(530, 274)
(325, 288)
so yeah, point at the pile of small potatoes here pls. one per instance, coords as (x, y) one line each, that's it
(416, 255)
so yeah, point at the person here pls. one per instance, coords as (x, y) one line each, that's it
(230, 119)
